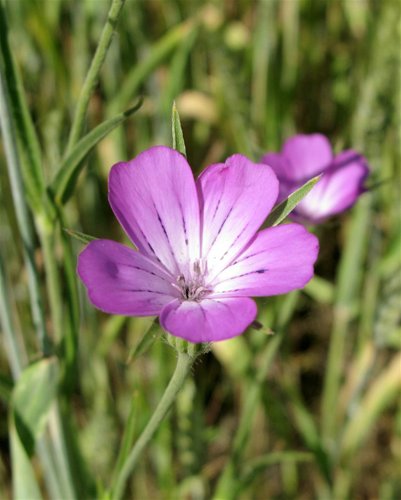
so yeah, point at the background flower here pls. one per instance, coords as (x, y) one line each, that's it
(199, 258)
(305, 156)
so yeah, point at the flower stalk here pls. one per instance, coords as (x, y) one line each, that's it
(184, 364)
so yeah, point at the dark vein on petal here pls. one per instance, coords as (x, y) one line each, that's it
(248, 257)
(147, 271)
(149, 245)
(138, 290)
(258, 271)
(203, 311)
(217, 207)
(234, 242)
(185, 228)
(221, 227)
(165, 233)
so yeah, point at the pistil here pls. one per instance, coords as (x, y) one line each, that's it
(193, 288)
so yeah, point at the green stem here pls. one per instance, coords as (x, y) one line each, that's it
(57, 436)
(14, 348)
(348, 282)
(93, 73)
(47, 239)
(182, 368)
(31, 167)
(26, 232)
(225, 487)
(23, 218)
(18, 359)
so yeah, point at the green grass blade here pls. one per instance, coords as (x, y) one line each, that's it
(32, 164)
(382, 392)
(142, 70)
(347, 289)
(64, 182)
(151, 333)
(128, 436)
(24, 481)
(178, 136)
(22, 214)
(307, 428)
(34, 406)
(32, 398)
(15, 353)
(258, 465)
(93, 73)
(82, 237)
(281, 211)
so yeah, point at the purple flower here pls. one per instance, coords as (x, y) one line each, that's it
(305, 156)
(199, 255)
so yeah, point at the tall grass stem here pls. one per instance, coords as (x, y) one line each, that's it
(184, 363)
(93, 73)
(348, 282)
(23, 217)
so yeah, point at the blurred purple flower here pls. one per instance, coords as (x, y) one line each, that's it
(305, 156)
(199, 255)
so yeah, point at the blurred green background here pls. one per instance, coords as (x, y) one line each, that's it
(309, 405)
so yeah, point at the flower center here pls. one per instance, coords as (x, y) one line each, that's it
(193, 287)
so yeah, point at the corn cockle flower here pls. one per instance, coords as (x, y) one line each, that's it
(304, 157)
(199, 256)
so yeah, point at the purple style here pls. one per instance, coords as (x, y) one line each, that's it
(305, 156)
(199, 255)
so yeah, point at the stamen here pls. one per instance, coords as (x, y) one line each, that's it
(193, 287)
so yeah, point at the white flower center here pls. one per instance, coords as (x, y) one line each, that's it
(193, 287)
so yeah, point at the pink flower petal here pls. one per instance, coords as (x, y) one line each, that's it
(122, 281)
(280, 165)
(235, 199)
(154, 197)
(208, 320)
(307, 156)
(338, 189)
(279, 260)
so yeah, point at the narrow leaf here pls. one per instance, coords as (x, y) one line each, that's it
(383, 392)
(82, 237)
(281, 211)
(128, 436)
(64, 182)
(93, 73)
(23, 476)
(146, 341)
(32, 398)
(24, 128)
(178, 136)
(143, 68)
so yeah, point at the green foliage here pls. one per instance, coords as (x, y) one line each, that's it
(83, 238)
(66, 177)
(31, 401)
(178, 136)
(32, 398)
(297, 408)
(283, 209)
(25, 484)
